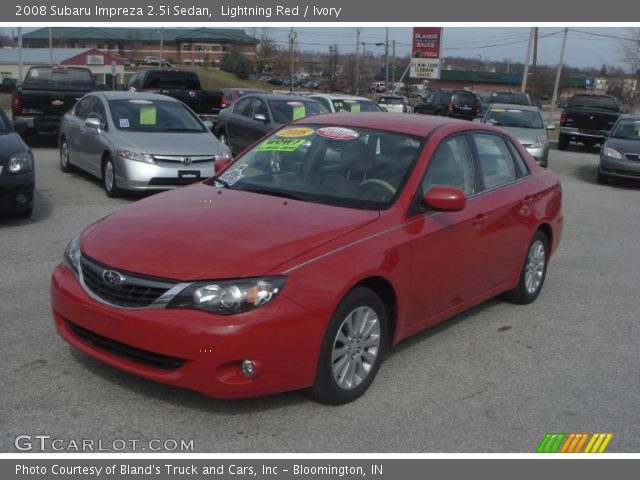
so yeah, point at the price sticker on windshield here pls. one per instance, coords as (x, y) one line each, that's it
(280, 145)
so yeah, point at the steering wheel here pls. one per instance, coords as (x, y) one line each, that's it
(381, 183)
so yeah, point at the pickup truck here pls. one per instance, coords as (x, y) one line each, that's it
(182, 85)
(45, 95)
(588, 119)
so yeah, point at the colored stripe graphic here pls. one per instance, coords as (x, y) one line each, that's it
(573, 442)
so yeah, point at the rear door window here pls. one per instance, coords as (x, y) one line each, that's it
(495, 162)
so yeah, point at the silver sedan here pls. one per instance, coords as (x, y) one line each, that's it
(137, 141)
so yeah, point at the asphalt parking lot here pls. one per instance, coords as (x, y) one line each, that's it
(494, 379)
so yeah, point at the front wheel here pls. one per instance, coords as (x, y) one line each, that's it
(65, 165)
(533, 272)
(353, 348)
(109, 179)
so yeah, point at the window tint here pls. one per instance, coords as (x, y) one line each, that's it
(464, 98)
(259, 107)
(451, 166)
(243, 107)
(593, 101)
(59, 78)
(96, 110)
(494, 159)
(521, 165)
(82, 107)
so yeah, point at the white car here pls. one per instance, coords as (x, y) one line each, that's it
(346, 103)
(395, 103)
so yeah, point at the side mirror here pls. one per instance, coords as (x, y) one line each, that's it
(551, 127)
(93, 123)
(447, 199)
(208, 124)
(221, 162)
(260, 117)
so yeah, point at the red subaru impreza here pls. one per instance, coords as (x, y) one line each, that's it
(299, 264)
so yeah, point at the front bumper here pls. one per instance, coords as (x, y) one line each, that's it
(622, 168)
(579, 135)
(16, 191)
(139, 176)
(282, 338)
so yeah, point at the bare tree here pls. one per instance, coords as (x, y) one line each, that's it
(630, 55)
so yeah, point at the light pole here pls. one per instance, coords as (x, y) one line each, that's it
(480, 60)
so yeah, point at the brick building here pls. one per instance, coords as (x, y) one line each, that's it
(178, 45)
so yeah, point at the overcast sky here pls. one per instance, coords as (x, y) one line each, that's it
(493, 43)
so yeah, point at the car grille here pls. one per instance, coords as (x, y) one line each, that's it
(125, 351)
(180, 158)
(628, 173)
(633, 156)
(135, 290)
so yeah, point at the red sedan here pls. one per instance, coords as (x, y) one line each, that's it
(302, 262)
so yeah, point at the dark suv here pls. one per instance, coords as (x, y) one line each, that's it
(450, 103)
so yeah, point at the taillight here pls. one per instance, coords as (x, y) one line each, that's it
(15, 101)
(451, 106)
(563, 117)
(223, 101)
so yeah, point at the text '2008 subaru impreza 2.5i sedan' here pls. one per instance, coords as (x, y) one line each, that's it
(304, 260)
(137, 142)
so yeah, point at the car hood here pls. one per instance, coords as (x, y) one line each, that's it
(202, 232)
(624, 145)
(524, 135)
(10, 144)
(169, 143)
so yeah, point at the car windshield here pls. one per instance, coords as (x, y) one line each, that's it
(153, 116)
(285, 111)
(355, 106)
(593, 101)
(513, 98)
(464, 98)
(627, 129)
(514, 117)
(348, 167)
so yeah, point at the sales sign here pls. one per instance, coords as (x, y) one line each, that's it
(425, 52)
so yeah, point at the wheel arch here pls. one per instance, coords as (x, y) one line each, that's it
(384, 289)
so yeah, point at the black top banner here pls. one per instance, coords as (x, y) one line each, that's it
(292, 11)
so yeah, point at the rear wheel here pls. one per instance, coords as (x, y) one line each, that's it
(563, 142)
(353, 348)
(533, 272)
(109, 179)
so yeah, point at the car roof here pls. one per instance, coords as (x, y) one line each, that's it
(417, 125)
(340, 97)
(114, 95)
(627, 116)
(513, 106)
(275, 96)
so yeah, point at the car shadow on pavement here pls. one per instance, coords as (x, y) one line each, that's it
(588, 174)
(183, 397)
(42, 208)
(43, 141)
(578, 148)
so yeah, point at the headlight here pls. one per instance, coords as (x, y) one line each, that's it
(611, 152)
(21, 163)
(138, 157)
(229, 296)
(72, 255)
(540, 142)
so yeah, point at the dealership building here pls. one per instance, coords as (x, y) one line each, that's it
(178, 45)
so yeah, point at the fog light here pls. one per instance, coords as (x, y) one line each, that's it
(21, 199)
(248, 368)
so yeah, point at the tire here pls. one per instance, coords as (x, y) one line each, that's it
(109, 179)
(340, 379)
(601, 179)
(65, 165)
(534, 271)
(563, 142)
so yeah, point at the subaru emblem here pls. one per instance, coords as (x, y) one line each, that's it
(112, 278)
(186, 161)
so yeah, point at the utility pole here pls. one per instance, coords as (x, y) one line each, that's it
(20, 63)
(523, 87)
(558, 72)
(534, 66)
(393, 64)
(161, 47)
(50, 47)
(386, 59)
(292, 37)
(357, 80)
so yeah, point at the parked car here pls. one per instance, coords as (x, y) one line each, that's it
(17, 177)
(137, 142)
(449, 103)
(8, 84)
(620, 153)
(394, 103)
(302, 262)
(233, 94)
(377, 87)
(45, 95)
(149, 60)
(345, 103)
(524, 123)
(588, 119)
(253, 116)
(183, 85)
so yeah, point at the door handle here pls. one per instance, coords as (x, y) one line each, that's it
(479, 220)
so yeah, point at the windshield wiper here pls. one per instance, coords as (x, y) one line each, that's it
(275, 193)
